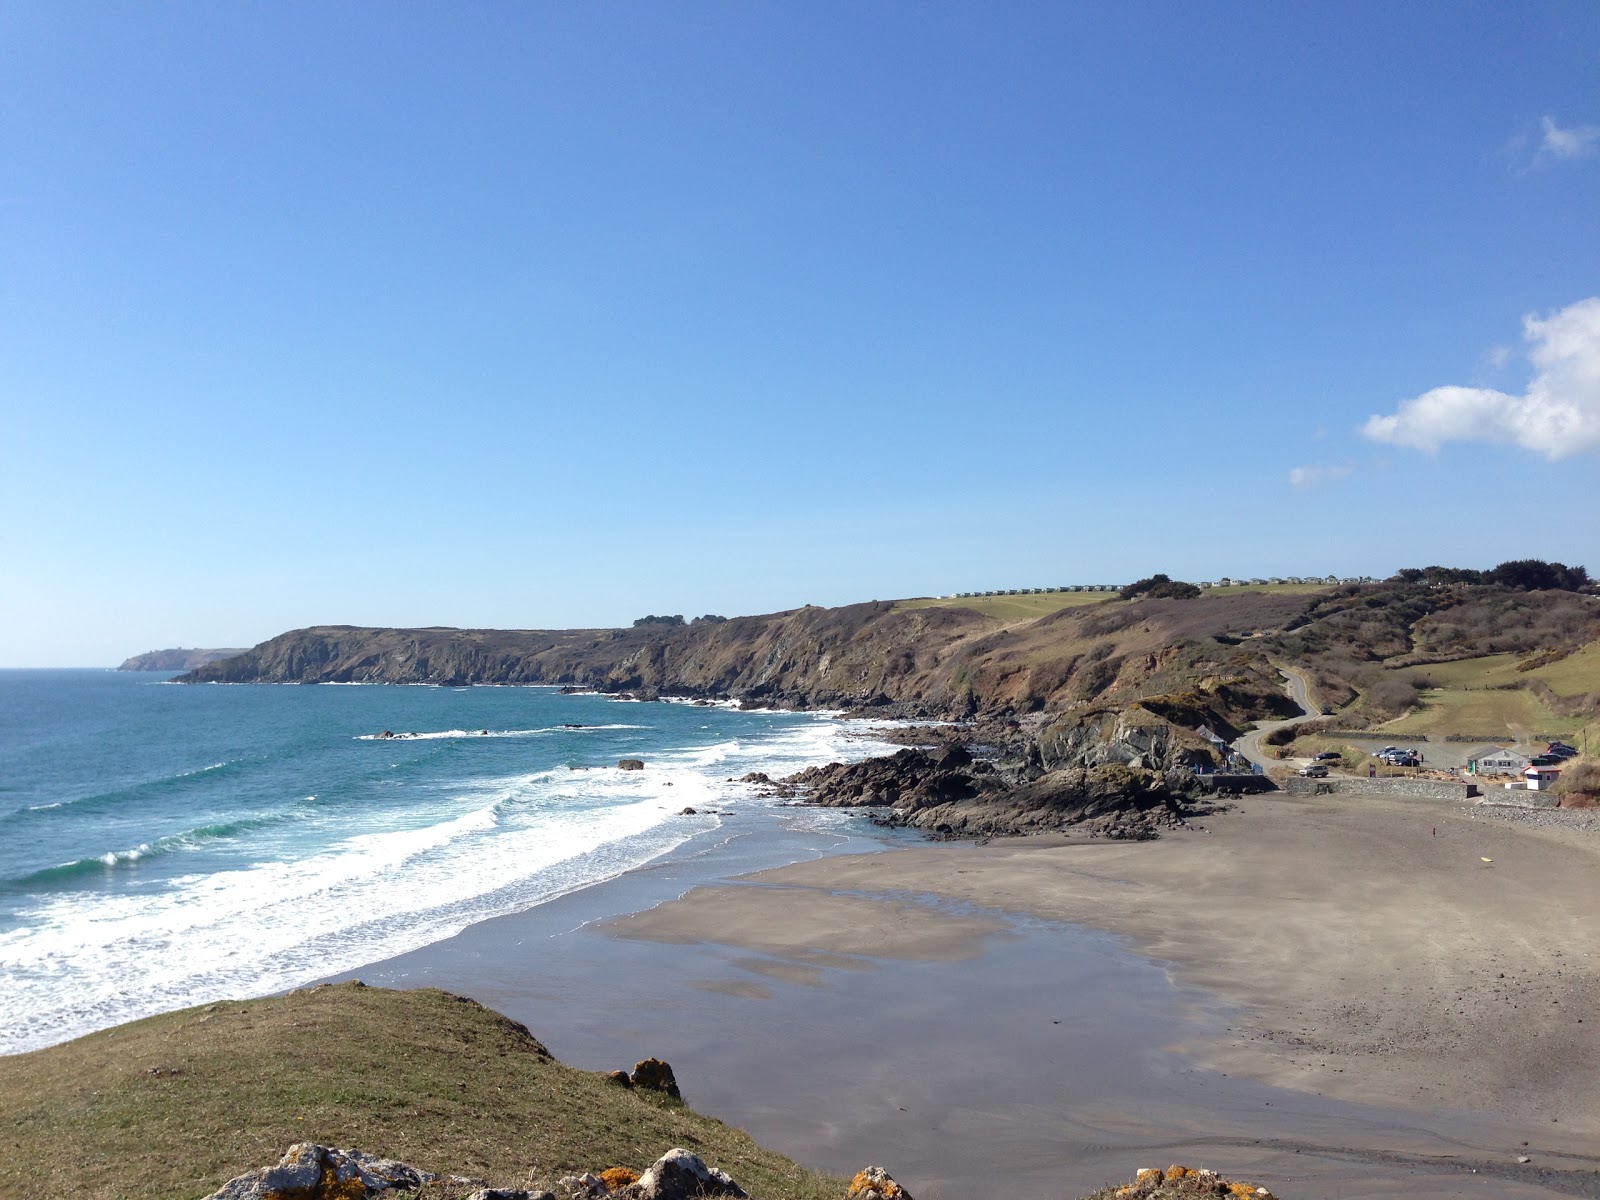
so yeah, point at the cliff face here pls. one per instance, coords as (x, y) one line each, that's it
(944, 662)
(177, 659)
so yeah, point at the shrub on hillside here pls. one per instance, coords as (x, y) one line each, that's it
(1160, 587)
(1536, 575)
(1579, 785)
(1527, 574)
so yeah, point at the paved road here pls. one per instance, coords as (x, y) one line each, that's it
(1299, 691)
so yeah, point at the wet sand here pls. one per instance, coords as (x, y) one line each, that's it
(1309, 994)
(1379, 950)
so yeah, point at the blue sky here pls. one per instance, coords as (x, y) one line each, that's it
(558, 314)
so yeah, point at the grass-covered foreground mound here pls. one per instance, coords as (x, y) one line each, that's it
(175, 1105)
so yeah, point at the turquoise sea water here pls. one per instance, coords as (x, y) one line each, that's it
(164, 845)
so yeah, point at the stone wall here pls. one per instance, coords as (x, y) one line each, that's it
(1415, 789)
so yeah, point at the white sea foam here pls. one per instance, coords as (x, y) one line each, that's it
(216, 766)
(450, 734)
(82, 960)
(112, 857)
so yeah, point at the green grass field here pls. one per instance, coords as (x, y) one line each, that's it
(1030, 608)
(1577, 674)
(1468, 700)
(1013, 608)
(1516, 714)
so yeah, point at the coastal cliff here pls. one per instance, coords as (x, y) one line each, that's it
(945, 662)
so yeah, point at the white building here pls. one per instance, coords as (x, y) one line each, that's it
(1497, 760)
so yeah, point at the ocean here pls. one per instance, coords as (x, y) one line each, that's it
(164, 845)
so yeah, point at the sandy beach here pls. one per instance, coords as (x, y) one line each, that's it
(1398, 952)
(1337, 995)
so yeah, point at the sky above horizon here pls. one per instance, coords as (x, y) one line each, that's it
(556, 315)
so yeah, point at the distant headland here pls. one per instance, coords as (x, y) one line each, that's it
(177, 659)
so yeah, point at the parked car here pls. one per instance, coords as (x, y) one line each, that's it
(1328, 756)
(1561, 750)
(1315, 771)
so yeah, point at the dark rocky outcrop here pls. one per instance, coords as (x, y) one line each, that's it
(946, 794)
(1123, 771)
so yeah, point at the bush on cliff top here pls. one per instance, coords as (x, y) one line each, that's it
(1579, 785)
(176, 1105)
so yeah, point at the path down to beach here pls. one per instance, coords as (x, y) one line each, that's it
(1298, 690)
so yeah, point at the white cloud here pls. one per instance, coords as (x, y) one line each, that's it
(1558, 416)
(1562, 143)
(1314, 476)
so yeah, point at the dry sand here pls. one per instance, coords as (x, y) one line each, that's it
(1427, 955)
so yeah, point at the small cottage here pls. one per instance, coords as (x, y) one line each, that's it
(1496, 760)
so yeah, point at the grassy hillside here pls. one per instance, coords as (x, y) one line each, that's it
(175, 1105)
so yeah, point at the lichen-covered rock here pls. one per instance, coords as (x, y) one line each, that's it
(680, 1175)
(311, 1172)
(617, 1178)
(620, 1078)
(874, 1183)
(656, 1076)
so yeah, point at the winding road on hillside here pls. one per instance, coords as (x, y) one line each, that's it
(1298, 690)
